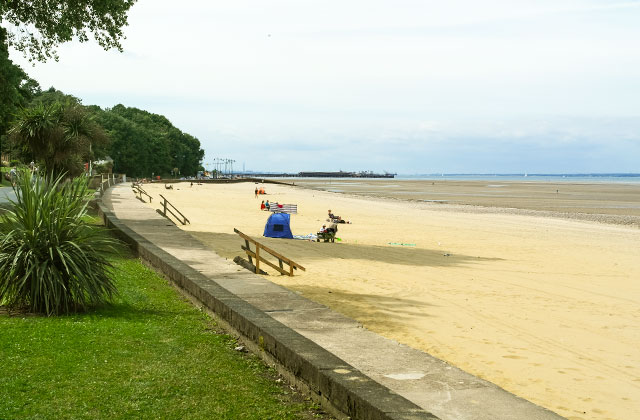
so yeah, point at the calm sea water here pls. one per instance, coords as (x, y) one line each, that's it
(581, 178)
(575, 178)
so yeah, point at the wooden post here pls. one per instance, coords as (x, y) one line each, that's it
(249, 249)
(257, 258)
(164, 203)
(280, 263)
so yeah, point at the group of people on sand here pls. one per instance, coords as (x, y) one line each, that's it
(332, 218)
(260, 191)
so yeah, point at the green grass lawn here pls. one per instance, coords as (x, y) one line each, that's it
(149, 355)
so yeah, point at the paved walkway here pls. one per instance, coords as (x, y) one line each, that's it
(430, 383)
(6, 193)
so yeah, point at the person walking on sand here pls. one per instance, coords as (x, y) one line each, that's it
(256, 192)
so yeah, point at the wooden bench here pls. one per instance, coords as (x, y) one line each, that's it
(259, 258)
(283, 208)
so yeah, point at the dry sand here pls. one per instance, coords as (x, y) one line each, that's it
(546, 308)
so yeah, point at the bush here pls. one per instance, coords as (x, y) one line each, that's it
(51, 260)
(104, 168)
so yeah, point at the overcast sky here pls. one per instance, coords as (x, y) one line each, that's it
(404, 86)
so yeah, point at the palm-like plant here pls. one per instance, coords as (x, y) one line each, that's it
(58, 135)
(51, 260)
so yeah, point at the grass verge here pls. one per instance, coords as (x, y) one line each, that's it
(150, 354)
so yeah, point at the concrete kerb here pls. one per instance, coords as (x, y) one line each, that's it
(333, 382)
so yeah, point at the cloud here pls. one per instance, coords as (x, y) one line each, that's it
(376, 85)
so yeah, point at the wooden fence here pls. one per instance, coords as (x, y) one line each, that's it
(137, 189)
(259, 258)
(166, 208)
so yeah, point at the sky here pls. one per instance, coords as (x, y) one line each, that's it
(404, 86)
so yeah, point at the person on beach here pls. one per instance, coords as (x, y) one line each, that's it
(336, 219)
(323, 229)
(262, 206)
(267, 205)
(256, 192)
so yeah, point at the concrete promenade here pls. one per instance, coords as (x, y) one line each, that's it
(6, 193)
(361, 374)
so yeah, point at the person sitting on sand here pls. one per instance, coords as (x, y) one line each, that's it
(262, 206)
(336, 219)
(267, 205)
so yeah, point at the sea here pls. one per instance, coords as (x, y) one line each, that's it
(575, 178)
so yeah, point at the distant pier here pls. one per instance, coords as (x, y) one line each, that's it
(339, 174)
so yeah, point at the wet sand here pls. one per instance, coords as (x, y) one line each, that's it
(604, 202)
(547, 308)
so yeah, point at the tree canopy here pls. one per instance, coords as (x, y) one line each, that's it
(57, 135)
(37, 27)
(143, 143)
(16, 88)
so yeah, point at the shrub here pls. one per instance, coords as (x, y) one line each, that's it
(51, 259)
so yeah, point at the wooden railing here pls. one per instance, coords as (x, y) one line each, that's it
(108, 180)
(137, 189)
(165, 208)
(281, 259)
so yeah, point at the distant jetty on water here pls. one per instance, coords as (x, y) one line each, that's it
(339, 174)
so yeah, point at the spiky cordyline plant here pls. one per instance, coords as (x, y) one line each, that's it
(51, 260)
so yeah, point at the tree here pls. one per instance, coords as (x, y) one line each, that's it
(58, 136)
(16, 89)
(37, 27)
(145, 143)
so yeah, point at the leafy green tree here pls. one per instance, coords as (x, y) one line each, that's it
(37, 27)
(51, 260)
(144, 143)
(58, 136)
(16, 89)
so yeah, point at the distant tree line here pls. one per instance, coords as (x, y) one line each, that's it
(57, 131)
(143, 143)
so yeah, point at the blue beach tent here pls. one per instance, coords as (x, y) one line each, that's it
(278, 226)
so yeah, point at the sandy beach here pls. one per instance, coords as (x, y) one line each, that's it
(546, 307)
